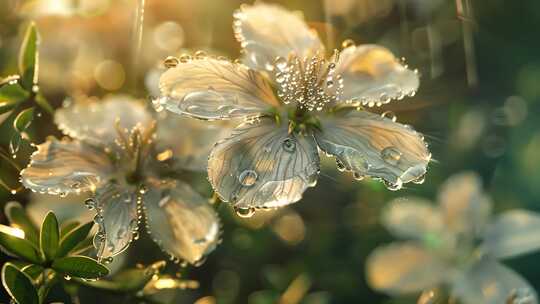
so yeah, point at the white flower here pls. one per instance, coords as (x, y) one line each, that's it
(455, 245)
(272, 158)
(115, 156)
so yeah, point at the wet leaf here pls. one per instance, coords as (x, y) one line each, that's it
(32, 270)
(23, 120)
(43, 103)
(73, 238)
(129, 280)
(80, 267)
(17, 217)
(10, 96)
(50, 236)
(66, 228)
(18, 285)
(18, 247)
(28, 57)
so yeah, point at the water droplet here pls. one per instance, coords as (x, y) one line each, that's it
(142, 189)
(90, 203)
(200, 55)
(280, 63)
(244, 212)
(411, 93)
(391, 155)
(107, 260)
(289, 144)
(393, 186)
(248, 178)
(340, 165)
(13, 191)
(347, 43)
(420, 180)
(185, 58)
(390, 115)
(357, 176)
(171, 62)
(62, 194)
(67, 277)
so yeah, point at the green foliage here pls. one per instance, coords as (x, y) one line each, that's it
(49, 237)
(11, 95)
(28, 58)
(19, 285)
(43, 254)
(23, 120)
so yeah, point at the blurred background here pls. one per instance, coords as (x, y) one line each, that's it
(477, 105)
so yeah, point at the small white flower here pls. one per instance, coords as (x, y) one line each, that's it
(272, 158)
(455, 245)
(115, 156)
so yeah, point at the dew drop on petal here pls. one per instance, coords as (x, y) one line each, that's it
(248, 178)
(244, 212)
(90, 203)
(289, 144)
(357, 176)
(390, 115)
(340, 165)
(280, 63)
(67, 277)
(347, 43)
(393, 186)
(391, 155)
(171, 62)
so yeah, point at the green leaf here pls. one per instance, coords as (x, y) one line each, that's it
(10, 96)
(18, 247)
(32, 270)
(130, 280)
(80, 267)
(28, 57)
(68, 227)
(73, 238)
(23, 119)
(17, 217)
(18, 285)
(50, 236)
(43, 103)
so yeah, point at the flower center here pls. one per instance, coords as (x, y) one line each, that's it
(310, 82)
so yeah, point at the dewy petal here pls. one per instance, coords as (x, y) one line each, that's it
(372, 75)
(188, 142)
(209, 88)
(404, 268)
(266, 31)
(513, 233)
(94, 121)
(261, 165)
(181, 222)
(63, 167)
(413, 218)
(489, 282)
(117, 219)
(371, 145)
(465, 206)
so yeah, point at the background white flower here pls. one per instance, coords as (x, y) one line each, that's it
(269, 161)
(114, 156)
(455, 245)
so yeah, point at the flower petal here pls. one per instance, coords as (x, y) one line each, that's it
(412, 218)
(465, 206)
(262, 166)
(371, 145)
(266, 31)
(372, 75)
(94, 121)
(181, 222)
(188, 141)
(513, 233)
(489, 282)
(63, 167)
(117, 219)
(65, 209)
(404, 268)
(215, 89)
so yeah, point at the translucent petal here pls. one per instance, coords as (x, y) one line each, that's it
(261, 165)
(117, 219)
(63, 167)
(372, 75)
(513, 233)
(266, 31)
(371, 145)
(412, 218)
(403, 268)
(465, 206)
(215, 89)
(181, 222)
(94, 121)
(188, 141)
(489, 282)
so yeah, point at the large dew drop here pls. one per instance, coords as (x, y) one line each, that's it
(244, 212)
(391, 155)
(248, 178)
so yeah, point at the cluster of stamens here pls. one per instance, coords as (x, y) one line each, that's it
(310, 82)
